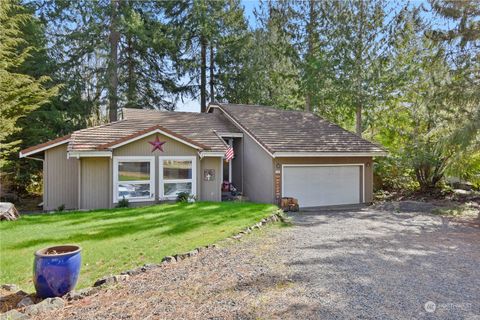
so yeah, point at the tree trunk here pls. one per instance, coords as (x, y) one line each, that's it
(131, 81)
(203, 75)
(212, 74)
(311, 38)
(358, 120)
(359, 76)
(113, 65)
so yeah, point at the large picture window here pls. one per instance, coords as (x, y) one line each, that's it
(177, 174)
(134, 178)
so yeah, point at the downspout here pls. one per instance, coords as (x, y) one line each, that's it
(79, 183)
(243, 153)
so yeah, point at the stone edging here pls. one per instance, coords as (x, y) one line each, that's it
(58, 303)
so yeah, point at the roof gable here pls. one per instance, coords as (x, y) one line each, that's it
(149, 131)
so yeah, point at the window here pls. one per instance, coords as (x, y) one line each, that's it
(134, 178)
(177, 174)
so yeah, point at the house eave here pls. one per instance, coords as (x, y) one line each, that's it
(23, 154)
(295, 154)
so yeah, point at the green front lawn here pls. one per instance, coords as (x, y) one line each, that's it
(116, 240)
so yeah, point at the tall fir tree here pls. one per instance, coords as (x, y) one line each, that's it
(20, 92)
(138, 44)
(200, 26)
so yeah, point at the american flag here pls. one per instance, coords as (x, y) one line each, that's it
(229, 154)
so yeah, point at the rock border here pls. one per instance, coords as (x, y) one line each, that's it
(58, 303)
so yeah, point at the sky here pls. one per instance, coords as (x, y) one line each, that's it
(193, 105)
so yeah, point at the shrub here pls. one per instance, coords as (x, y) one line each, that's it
(183, 196)
(391, 173)
(123, 203)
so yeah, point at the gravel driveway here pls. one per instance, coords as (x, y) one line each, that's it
(347, 264)
(371, 264)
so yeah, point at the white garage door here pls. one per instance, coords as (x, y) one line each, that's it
(322, 185)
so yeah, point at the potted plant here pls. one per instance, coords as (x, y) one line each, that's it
(56, 270)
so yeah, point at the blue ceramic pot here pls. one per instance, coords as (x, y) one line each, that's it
(56, 270)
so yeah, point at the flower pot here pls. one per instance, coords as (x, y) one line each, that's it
(56, 270)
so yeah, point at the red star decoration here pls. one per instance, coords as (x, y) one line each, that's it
(157, 144)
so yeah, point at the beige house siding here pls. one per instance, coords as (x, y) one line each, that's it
(211, 190)
(237, 164)
(60, 179)
(258, 172)
(141, 147)
(172, 147)
(94, 183)
(366, 161)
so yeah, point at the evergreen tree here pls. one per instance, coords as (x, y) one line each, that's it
(463, 46)
(200, 25)
(20, 93)
(132, 68)
(265, 71)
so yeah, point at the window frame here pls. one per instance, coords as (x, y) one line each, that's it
(161, 181)
(116, 182)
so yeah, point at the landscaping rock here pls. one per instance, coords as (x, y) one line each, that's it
(108, 280)
(169, 259)
(132, 272)
(10, 287)
(80, 294)
(181, 256)
(121, 277)
(73, 295)
(46, 305)
(149, 266)
(27, 301)
(192, 253)
(21, 293)
(13, 315)
(8, 211)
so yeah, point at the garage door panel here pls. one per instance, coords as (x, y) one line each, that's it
(322, 185)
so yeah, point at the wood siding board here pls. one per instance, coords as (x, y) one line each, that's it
(60, 179)
(237, 164)
(258, 175)
(211, 190)
(95, 183)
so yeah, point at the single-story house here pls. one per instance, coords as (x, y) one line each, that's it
(151, 156)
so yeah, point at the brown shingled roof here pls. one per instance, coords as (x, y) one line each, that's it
(195, 128)
(275, 129)
(39, 147)
(295, 131)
